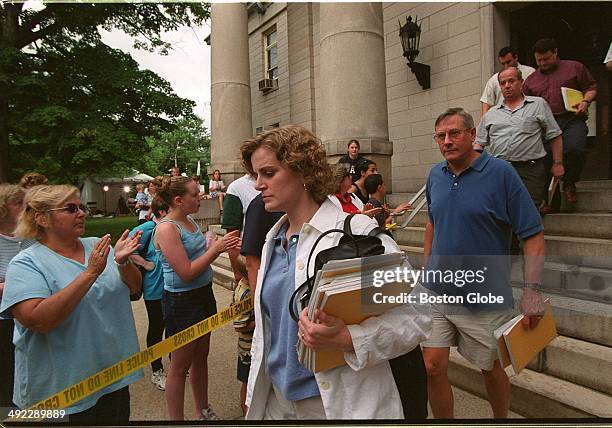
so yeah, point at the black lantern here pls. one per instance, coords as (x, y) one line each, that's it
(410, 35)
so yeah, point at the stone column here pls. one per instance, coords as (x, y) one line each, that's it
(353, 82)
(230, 88)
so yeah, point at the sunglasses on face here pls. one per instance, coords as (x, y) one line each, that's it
(71, 208)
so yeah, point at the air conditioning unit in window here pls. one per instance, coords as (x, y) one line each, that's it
(268, 84)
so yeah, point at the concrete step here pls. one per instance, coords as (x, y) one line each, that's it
(583, 282)
(594, 252)
(217, 229)
(223, 277)
(419, 220)
(602, 185)
(590, 217)
(579, 362)
(591, 200)
(588, 225)
(411, 236)
(577, 318)
(394, 199)
(535, 395)
(223, 261)
(471, 406)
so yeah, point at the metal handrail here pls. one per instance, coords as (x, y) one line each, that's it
(416, 208)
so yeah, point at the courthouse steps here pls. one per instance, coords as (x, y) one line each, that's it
(573, 377)
(534, 394)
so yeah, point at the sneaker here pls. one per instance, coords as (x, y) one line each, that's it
(209, 414)
(158, 378)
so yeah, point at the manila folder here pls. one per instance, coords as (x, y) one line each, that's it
(571, 97)
(523, 345)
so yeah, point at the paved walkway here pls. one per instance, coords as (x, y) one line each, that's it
(148, 403)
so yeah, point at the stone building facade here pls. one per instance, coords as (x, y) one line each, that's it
(338, 69)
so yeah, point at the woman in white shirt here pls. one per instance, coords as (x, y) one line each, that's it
(293, 176)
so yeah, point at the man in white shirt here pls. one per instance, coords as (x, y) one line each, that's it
(238, 196)
(492, 92)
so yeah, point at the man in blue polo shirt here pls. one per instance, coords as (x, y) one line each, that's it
(475, 201)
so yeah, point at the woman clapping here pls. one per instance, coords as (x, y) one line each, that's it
(69, 297)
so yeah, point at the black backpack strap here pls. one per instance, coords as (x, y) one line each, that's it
(305, 289)
(347, 224)
(347, 227)
(377, 231)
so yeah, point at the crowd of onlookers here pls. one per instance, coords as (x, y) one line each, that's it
(62, 292)
(59, 288)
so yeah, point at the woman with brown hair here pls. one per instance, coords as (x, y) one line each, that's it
(69, 297)
(294, 177)
(188, 296)
(364, 169)
(32, 179)
(346, 201)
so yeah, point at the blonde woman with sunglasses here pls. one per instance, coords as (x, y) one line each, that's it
(69, 297)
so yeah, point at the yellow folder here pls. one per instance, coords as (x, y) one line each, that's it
(347, 305)
(523, 345)
(571, 97)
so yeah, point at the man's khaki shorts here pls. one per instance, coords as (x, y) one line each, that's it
(470, 332)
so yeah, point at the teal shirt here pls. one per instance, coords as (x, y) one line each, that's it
(98, 333)
(195, 245)
(153, 280)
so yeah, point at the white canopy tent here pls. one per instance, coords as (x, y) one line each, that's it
(94, 196)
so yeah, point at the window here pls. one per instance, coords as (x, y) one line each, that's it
(259, 130)
(271, 54)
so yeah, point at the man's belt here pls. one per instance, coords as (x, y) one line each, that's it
(527, 162)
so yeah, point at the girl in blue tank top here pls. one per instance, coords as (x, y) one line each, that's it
(188, 297)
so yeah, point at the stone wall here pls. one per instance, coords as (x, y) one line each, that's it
(272, 107)
(301, 65)
(451, 45)
(458, 43)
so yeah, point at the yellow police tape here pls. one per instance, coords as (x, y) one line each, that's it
(112, 374)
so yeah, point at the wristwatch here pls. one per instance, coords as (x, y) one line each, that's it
(533, 285)
(558, 162)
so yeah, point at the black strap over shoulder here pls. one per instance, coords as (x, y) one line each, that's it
(350, 246)
(347, 227)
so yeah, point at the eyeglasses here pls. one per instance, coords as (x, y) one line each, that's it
(71, 208)
(454, 135)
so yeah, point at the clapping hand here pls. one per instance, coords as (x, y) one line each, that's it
(126, 245)
(229, 241)
(99, 254)
(370, 211)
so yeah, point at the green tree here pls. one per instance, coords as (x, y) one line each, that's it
(70, 105)
(186, 144)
